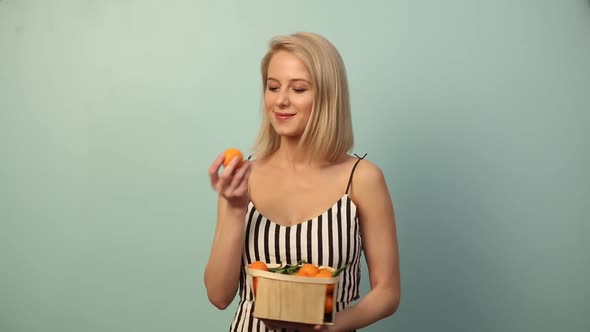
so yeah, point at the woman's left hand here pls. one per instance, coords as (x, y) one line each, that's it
(278, 325)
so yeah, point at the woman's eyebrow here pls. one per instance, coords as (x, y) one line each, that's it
(292, 80)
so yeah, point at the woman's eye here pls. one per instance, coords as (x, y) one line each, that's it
(273, 88)
(299, 90)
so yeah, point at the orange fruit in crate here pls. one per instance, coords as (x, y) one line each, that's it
(307, 270)
(329, 305)
(232, 153)
(257, 265)
(325, 273)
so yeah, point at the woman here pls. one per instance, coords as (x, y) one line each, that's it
(304, 197)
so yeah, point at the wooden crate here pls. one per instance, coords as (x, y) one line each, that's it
(292, 298)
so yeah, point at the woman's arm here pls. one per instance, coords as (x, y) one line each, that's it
(222, 272)
(377, 221)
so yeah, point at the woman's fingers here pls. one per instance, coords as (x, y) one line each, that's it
(214, 170)
(233, 181)
(227, 174)
(243, 189)
(240, 179)
(239, 182)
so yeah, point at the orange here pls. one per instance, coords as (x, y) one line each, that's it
(308, 270)
(329, 305)
(232, 153)
(325, 273)
(257, 265)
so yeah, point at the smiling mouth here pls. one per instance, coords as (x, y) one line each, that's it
(284, 116)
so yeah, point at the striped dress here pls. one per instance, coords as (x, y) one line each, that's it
(331, 238)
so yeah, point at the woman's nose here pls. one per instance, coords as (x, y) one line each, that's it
(283, 99)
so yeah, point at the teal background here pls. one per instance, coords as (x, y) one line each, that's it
(111, 112)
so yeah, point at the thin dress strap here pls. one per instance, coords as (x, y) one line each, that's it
(352, 172)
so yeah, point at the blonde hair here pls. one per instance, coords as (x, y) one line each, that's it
(328, 134)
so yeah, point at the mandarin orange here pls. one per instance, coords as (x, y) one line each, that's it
(325, 273)
(308, 270)
(232, 153)
(257, 265)
(329, 305)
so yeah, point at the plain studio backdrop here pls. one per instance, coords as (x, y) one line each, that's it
(111, 112)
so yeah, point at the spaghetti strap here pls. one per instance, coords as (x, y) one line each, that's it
(352, 172)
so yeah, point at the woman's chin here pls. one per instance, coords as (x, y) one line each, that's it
(288, 133)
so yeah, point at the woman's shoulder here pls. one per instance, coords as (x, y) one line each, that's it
(366, 176)
(365, 170)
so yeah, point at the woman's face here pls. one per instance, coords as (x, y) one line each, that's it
(288, 99)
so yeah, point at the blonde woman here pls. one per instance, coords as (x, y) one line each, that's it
(304, 197)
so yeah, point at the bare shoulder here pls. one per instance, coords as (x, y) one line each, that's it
(367, 176)
(369, 187)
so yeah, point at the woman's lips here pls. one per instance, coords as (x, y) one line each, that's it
(283, 116)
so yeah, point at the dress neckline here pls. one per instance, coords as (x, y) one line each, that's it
(253, 206)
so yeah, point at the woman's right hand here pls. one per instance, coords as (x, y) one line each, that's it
(231, 184)
(222, 273)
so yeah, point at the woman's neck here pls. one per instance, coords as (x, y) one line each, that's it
(290, 154)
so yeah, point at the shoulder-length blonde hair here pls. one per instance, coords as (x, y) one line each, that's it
(328, 134)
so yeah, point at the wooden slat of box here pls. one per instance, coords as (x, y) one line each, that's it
(290, 301)
(292, 298)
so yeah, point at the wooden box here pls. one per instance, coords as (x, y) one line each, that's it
(293, 298)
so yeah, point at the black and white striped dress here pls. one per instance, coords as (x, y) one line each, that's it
(331, 238)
